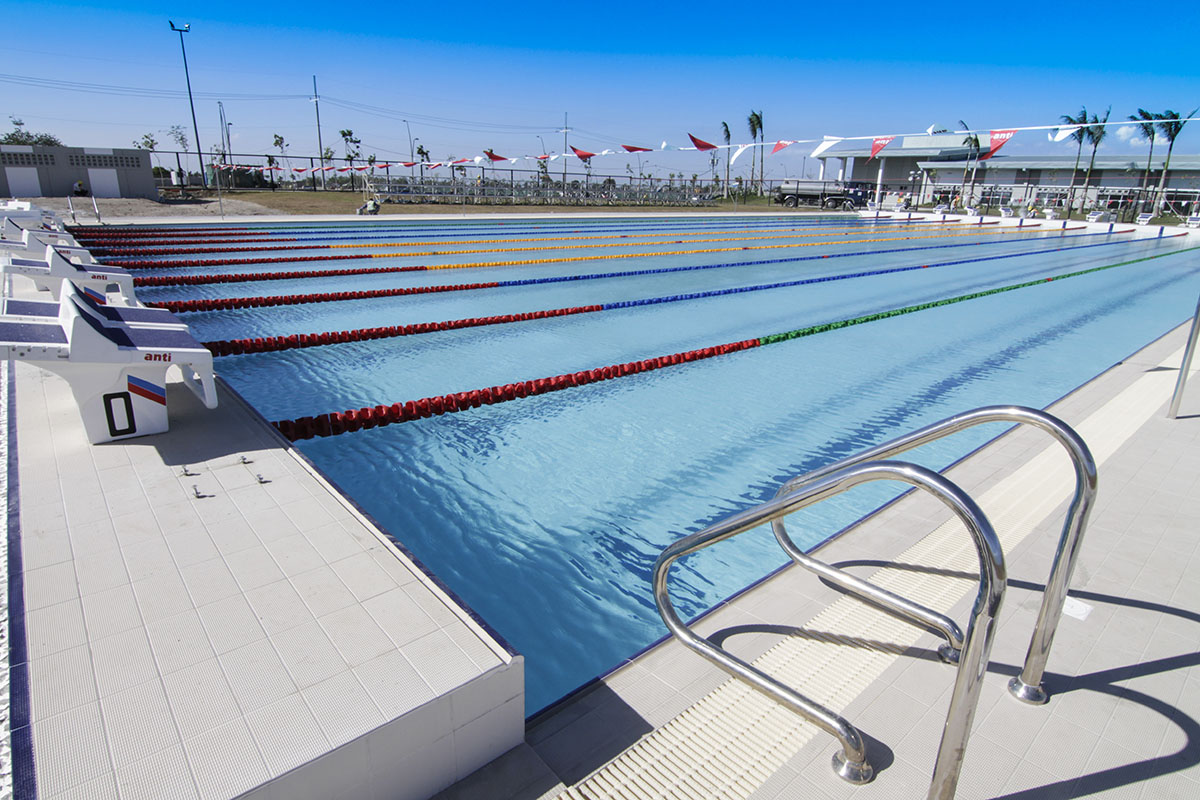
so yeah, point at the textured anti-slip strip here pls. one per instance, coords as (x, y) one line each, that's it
(232, 347)
(333, 423)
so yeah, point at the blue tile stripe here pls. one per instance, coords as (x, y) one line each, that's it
(24, 777)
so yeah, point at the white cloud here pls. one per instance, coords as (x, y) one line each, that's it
(1130, 134)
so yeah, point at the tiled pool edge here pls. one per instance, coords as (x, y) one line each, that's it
(470, 738)
(374, 525)
(16, 746)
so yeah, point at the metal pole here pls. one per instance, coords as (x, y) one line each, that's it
(564, 132)
(320, 145)
(411, 157)
(1186, 364)
(188, 78)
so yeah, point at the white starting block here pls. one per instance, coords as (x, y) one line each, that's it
(24, 211)
(115, 359)
(13, 235)
(51, 268)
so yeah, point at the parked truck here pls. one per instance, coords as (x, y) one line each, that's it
(824, 194)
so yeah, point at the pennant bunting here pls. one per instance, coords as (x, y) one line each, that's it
(493, 157)
(829, 142)
(878, 144)
(740, 149)
(702, 145)
(583, 155)
(1062, 133)
(999, 139)
(631, 149)
(781, 144)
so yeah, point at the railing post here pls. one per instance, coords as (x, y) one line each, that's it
(851, 763)
(1186, 365)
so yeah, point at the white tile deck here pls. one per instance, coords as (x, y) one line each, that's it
(207, 647)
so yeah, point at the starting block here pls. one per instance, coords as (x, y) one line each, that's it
(114, 359)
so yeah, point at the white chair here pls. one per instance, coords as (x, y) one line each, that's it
(1006, 213)
(1144, 218)
(1193, 221)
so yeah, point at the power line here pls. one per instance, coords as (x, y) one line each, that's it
(136, 91)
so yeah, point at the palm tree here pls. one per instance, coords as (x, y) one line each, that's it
(1095, 133)
(752, 123)
(762, 152)
(1170, 125)
(971, 141)
(352, 151)
(1145, 123)
(728, 137)
(1078, 136)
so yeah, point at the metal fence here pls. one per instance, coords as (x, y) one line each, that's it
(487, 183)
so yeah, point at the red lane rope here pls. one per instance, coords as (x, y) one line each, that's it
(266, 344)
(229, 262)
(228, 303)
(233, 277)
(336, 422)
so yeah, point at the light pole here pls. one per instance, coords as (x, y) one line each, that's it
(411, 155)
(544, 150)
(188, 78)
(316, 98)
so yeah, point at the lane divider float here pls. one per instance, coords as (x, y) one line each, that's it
(133, 265)
(338, 422)
(232, 303)
(267, 344)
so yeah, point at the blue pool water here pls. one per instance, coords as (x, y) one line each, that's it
(546, 514)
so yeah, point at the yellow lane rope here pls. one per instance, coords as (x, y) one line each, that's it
(773, 235)
(612, 256)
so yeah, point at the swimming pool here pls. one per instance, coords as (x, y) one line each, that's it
(546, 514)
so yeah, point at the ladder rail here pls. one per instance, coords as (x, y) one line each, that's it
(1027, 686)
(1185, 366)
(851, 762)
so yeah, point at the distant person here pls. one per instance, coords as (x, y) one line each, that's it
(369, 207)
(79, 189)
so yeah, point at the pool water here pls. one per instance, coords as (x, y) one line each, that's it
(546, 514)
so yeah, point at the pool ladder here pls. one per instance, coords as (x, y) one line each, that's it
(968, 652)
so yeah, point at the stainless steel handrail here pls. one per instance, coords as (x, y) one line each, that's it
(851, 762)
(1027, 686)
(1185, 366)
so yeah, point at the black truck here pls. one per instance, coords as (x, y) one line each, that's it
(825, 194)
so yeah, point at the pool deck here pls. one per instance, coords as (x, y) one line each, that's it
(1124, 674)
(189, 629)
(204, 616)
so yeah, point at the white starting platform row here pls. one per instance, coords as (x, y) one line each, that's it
(201, 615)
(112, 351)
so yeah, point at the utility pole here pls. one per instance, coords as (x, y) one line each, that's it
(224, 130)
(188, 78)
(320, 145)
(565, 129)
(411, 156)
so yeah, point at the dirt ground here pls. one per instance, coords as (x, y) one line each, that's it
(258, 203)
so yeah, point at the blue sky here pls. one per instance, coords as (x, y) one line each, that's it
(472, 75)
